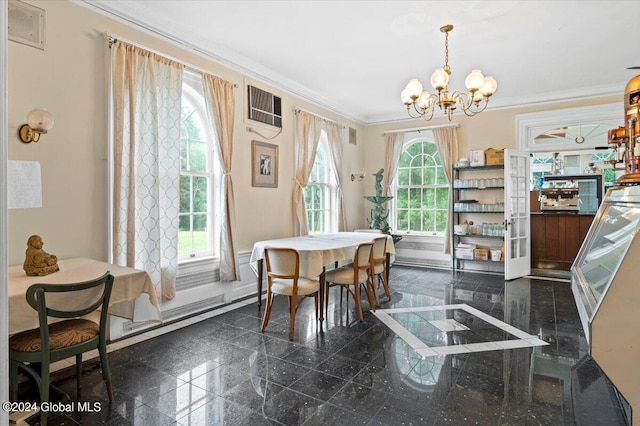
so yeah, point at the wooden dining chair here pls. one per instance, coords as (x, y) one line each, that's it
(352, 277)
(73, 335)
(283, 277)
(379, 267)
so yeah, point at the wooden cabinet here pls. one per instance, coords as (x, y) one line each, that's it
(556, 239)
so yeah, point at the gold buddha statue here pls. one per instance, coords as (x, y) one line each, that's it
(38, 262)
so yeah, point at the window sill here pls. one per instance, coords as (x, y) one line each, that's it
(193, 266)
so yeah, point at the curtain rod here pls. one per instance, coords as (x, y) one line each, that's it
(111, 38)
(421, 129)
(297, 110)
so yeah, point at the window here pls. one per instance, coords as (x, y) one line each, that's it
(320, 191)
(573, 163)
(421, 190)
(198, 183)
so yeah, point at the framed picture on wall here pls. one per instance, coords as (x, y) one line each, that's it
(476, 157)
(264, 164)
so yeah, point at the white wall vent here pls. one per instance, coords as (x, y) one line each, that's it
(265, 107)
(26, 24)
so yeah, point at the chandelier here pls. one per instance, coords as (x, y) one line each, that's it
(480, 90)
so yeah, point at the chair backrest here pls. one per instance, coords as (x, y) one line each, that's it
(362, 257)
(379, 248)
(282, 262)
(72, 300)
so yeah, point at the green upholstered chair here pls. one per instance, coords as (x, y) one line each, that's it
(73, 335)
(283, 277)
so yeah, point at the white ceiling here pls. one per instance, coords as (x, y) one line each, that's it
(355, 57)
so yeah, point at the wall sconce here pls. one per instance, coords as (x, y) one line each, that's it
(359, 176)
(39, 121)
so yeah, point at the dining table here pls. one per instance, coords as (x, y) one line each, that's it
(133, 295)
(317, 251)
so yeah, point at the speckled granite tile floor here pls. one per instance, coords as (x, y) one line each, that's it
(224, 371)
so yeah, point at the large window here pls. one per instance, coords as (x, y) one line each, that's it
(572, 163)
(320, 191)
(197, 176)
(421, 190)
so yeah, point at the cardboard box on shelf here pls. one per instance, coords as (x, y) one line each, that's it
(481, 254)
(494, 157)
(465, 253)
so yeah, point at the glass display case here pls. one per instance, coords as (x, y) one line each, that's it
(604, 280)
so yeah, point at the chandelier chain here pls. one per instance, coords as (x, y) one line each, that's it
(446, 52)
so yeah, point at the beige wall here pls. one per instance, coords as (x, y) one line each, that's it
(69, 79)
(490, 129)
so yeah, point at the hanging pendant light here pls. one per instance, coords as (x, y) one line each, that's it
(479, 87)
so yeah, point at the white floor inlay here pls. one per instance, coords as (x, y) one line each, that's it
(453, 329)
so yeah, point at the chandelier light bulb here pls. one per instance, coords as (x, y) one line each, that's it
(440, 79)
(414, 88)
(474, 81)
(406, 99)
(489, 87)
(424, 100)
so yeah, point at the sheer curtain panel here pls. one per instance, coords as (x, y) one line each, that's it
(308, 128)
(147, 90)
(447, 143)
(393, 150)
(334, 136)
(220, 109)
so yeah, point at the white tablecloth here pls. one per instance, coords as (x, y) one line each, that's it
(132, 297)
(319, 250)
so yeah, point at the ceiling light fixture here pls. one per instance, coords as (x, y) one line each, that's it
(480, 90)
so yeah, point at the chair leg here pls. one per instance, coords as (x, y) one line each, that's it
(372, 305)
(13, 380)
(78, 375)
(45, 382)
(292, 321)
(267, 310)
(315, 301)
(326, 298)
(106, 370)
(374, 289)
(385, 284)
(356, 300)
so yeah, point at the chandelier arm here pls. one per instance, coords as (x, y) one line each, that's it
(477, 110)
(409, 111)
(431, 110)
(463, 100)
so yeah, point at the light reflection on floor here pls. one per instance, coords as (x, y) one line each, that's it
(453, 329)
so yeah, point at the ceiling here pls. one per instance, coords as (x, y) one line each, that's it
(355, 57)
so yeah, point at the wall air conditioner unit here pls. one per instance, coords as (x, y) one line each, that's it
(265, 107)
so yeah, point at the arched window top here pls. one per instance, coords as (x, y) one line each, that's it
(569, 128)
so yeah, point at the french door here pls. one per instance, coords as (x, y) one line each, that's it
(517, 215)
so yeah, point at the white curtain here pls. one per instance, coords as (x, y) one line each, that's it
(308, 129)
(334, 137)
(147, 92)
(447, 143)
(221, 108)
(393, 150)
